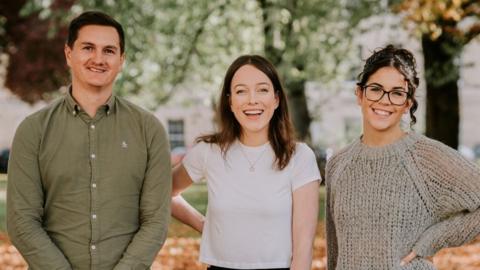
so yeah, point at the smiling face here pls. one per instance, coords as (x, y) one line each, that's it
(95, 58)
(253, 101)
(382, 116)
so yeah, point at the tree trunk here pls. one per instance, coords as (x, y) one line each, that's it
(295, 87)
(442, 73)
(299, 114)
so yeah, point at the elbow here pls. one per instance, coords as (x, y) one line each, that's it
(12, 228)
(176, 192)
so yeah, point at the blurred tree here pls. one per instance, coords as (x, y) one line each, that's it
(169, 44)
(177, 45)
(445, 27)
(34, 43)
(174, 45)
(311, 40)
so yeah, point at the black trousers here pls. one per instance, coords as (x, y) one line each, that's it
(212, 267)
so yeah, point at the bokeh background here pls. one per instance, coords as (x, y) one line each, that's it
(178, 51)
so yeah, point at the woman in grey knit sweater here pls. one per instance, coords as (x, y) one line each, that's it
(395, 198)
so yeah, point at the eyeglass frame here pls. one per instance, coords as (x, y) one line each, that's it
(363, 87)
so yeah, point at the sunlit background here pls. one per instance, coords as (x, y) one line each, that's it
(178, 51)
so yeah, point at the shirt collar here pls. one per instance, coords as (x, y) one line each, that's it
(74, 108)
(72, 105)
(110, 105)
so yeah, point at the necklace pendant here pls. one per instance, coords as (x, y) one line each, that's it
(252, 169)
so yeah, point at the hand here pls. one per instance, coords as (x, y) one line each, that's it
(407, 259)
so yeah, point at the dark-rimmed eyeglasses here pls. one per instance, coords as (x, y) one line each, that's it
(375, 92)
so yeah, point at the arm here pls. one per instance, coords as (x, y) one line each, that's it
(453, 185)
(25, 201)
(454, 231)
(154, 203)
(331, 233)
(305, 214)
(181, 209)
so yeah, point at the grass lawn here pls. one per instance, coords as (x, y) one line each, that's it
(197, 196)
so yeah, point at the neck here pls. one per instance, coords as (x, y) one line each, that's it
(381, 138)
(253, 139)
(90, 99)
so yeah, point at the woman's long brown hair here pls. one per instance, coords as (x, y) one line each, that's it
(280, 131)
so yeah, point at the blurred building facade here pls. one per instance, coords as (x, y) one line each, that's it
(336, 116)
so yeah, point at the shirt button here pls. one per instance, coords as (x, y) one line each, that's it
(92, 156)
(94, 216)
(92, 126)
(93, 247)
(94, 185)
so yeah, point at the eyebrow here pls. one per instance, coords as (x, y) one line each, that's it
(244, 85)
(265, 83)
(393, 88)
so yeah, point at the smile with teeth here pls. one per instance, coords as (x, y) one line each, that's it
(381, 112)
(253, 112)
(98, 70)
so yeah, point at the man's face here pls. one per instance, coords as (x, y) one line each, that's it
(95, 58)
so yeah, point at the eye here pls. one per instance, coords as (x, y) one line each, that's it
(398, 93)
(109, 51)
(240, 91)
(374, 88)
(263, 90)
(87, 48)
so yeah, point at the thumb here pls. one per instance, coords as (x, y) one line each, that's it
(408, 258)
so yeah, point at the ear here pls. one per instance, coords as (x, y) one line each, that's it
(359, 94)
(122, 60)
(408, 105)
(68, 54)
(277, 100)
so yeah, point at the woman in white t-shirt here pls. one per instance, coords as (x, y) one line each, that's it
(262, 185)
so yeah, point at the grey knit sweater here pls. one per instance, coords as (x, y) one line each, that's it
(383, 202)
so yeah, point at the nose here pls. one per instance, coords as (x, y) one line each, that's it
(97, 57)
(252, 98)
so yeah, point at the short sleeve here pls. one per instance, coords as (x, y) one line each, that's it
(305, 168)
(195, 161)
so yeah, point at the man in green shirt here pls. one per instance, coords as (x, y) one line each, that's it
(89, 176)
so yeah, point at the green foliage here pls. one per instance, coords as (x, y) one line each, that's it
(178, 45)
(185, 46)
(175, 46)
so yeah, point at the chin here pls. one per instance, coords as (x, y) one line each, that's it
(382, 127)
(99, 84)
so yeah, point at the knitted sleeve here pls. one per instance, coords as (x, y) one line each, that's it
(331, 233)
(453, 184)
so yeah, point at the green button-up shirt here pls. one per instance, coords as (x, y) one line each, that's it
(89, 193)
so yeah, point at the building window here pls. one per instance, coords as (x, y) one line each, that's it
(176, 133)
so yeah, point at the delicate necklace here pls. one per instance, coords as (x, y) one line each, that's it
(252, 164)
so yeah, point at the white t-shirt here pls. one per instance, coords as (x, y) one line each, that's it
(249, 215)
